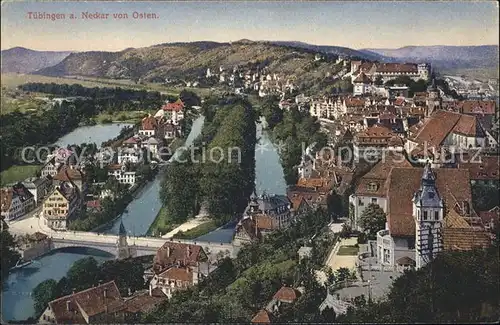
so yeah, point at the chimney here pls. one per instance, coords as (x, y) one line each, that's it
(68, 307)
(105, 293)
(168, 251)
(188, 250)
(73, 291)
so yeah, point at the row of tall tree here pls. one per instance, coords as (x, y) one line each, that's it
(198, 176)
(296, 130)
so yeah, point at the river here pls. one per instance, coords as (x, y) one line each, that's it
(140, 213)
(269, 177)
(92, 134)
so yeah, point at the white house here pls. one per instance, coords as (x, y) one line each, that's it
(362, 84)
(121, 174)
(131, 155)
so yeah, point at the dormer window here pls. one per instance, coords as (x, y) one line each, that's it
(436, 215)
(372, 187)
(425, 215)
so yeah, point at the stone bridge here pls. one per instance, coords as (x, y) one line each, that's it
(140, 245)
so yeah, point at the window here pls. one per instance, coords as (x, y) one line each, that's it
(374, 200)
(425, 215)
(436, 215)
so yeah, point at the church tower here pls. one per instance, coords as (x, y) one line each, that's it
(428, 213)
(121, 244)
(433, 100)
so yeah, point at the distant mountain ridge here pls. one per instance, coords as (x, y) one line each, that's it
(23, 60)
(443, 56)
(337, 50)
(191, 59)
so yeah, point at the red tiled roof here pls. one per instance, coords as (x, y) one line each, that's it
(171, 253)
(486, 107)
(362, 78)
(487, 169)
(469, 126)
(465, 238)
(67, 174)
(319, 184)
(378, 175)
(142, 303)
(92, 301)
(94, 204)
(376, 131)
(452, 184)
(178, 274)
(131, 140)
(436, 128)
(262, 317)
(149, 123)
(247, 225)
(176, 106)
(265, 222)
(397, 67)
(354, 102)
(399, 101)
(286, 294)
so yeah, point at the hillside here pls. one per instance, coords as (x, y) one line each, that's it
(445, 58)
(23, 60)
(190, 60)
(337, 50)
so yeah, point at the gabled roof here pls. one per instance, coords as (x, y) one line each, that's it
(176, 106)
(149, 123)
(379, 174)
(362, 78)
(265, 222)
(92, 301)
(262, 317)
(142, 303)
(248, 226)
(178, 274)
(435, 129)
(405, 260)
(286, 294)
(376, 131)
(465, 238)
(452, 184)
(469, 126)
(354, 102)
(486, 107)
(397, 67)
(67, 174)
(172, 253)
(487, 169)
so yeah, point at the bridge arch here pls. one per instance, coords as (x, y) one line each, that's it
(91, 251)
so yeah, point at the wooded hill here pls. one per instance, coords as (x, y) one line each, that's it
(191, 60)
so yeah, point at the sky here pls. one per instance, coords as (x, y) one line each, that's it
(351, 24)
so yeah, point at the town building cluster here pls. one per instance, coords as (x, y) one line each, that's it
(61, 191)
